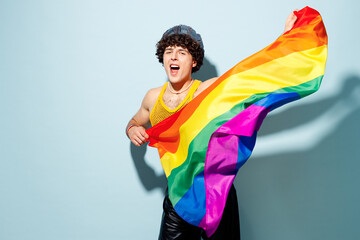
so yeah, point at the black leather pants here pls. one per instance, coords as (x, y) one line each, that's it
(174, 227)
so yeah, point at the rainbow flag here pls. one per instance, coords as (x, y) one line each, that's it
(203, 146)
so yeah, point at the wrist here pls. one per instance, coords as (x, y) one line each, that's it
(128, 129)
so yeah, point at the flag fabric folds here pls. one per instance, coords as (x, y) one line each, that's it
(203, 146)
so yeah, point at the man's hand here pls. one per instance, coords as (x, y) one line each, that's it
(137, 135)
(290, 21)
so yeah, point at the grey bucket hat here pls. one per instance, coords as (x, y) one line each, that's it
(186, 30)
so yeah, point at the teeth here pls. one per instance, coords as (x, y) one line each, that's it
(174, 67)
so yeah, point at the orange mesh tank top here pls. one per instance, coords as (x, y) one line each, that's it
(161, 111)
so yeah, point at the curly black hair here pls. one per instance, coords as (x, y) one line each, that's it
(184, 41)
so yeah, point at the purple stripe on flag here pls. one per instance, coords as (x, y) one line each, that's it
(222, 160)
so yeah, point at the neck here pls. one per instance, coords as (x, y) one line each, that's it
(178, 88)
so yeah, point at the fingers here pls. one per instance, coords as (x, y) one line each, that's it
(145, 135)
(138, 135)
(137, 141)
(290, 21)
(293, 16)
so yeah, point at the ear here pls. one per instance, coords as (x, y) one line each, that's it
(194, 63)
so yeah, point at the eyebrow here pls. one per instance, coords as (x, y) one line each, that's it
(180, 50)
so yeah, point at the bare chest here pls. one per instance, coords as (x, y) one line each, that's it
(172, 101)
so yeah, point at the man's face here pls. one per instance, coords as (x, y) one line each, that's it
(178, 64)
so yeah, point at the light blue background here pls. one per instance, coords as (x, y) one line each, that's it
(72, 74)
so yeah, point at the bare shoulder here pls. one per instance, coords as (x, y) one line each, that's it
(154, 92)
(204, 85)
(151, 97)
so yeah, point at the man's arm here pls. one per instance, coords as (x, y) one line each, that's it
(136, 127)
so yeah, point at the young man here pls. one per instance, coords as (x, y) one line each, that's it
(181, 52)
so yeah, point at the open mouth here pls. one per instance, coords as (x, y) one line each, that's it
(174, 69)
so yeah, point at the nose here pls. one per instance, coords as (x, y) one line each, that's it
(174, 55)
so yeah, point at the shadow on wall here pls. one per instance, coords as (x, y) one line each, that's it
(306, 182)
(148, 177)
(207, 71)
(146, 173)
